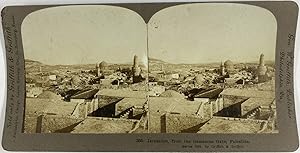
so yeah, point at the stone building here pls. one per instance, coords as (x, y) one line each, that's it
(240, 102)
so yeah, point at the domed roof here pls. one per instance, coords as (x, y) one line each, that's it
(103, 64)
(228, 64)
(49, 95)
(171, 93)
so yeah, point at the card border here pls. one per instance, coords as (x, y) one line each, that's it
(285, 12)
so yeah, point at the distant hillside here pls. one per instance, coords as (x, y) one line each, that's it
(156, 61)
(28, 61)
(32, 64)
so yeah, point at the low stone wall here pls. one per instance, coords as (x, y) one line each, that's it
(113, 119)
(241, 119)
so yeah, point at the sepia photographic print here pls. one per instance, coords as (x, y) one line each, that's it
(163, 77)
(193, 68)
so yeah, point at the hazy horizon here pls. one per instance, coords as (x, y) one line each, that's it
(129, 63)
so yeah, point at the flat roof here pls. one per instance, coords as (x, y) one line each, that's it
(104, 125)
(126, 93)
(211, 93)
(252, 103)
(248, 93)
(44, 106)
(258, 102)
(85, 94)
(129, 102)
(174, 105)
(220, 125)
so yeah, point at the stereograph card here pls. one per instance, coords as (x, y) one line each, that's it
(172, 76)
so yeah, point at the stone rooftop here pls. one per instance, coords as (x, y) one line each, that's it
(232, 125)
(248, 93)
(104, 125)
(175, 105)
(44, 106)
(126, 93)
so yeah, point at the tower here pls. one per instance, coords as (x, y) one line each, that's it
(98, 70)
(136, 70)
(261, 69)
(222, 69)
(135, 61)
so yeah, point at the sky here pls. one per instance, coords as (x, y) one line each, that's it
(203, 33)
(192, 33)
(84, 35)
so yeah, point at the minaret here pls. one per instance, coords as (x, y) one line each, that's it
(136, 69)
(98, 69)
(222, 69)
(102, 66)
(261, 69)
(135, 61)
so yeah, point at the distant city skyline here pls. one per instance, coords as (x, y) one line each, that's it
(191, 34)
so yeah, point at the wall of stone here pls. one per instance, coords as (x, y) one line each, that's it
(154, 123)
(92, 106)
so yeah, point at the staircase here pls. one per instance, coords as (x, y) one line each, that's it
(125, 114)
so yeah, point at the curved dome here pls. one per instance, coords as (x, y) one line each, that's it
(103, 64)
(228, 64)
(171, 93)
